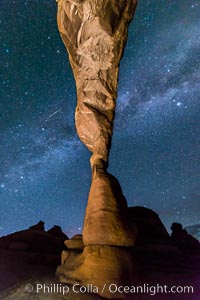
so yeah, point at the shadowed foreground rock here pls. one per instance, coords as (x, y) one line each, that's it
(155, 259)
(29, 253)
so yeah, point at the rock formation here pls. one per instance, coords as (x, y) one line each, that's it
(36, 239)
(39, 226)
(94, 33)
(29, 253)
(159, 261)
(182, 239)
(150, 228)
(194, 230)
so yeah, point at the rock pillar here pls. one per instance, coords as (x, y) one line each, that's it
(94, 33)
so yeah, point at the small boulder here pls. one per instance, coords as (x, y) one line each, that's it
(74, 244)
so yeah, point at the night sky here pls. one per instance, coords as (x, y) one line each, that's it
(44, 168)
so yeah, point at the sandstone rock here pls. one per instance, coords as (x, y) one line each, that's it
(153, 244)
(98, 265)
(64, 255)
(26, 254)
(35, 240)
(4, 242)
(183, 240)
(77, 237)
(156, 266)
(150, 228)
(21, 246)
(43, 259)
(57, 231)
(46, 243)
(38, 226)
(94, 33)
(106, 214)
(74, 244)
(194, 230)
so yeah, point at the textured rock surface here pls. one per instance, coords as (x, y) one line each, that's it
(156, 264)
(106, 219)
(94, 33)
(74, 244)
(98, 265)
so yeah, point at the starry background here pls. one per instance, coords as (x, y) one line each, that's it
(45, 172)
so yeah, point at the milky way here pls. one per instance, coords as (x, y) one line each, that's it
(45, 172)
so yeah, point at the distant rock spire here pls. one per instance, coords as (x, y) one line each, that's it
(38, 226)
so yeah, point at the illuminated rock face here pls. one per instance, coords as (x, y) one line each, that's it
(106, 221)
(94, 33)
